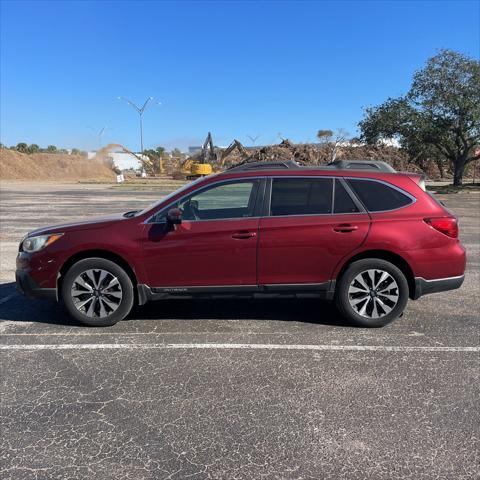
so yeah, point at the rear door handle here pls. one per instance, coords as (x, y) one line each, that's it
(345, 228)
(243, 235)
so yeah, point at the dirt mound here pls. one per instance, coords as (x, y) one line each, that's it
(303, 153)
(318, 154)
(49, 166)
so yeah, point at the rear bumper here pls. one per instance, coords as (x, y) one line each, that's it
(425, 287)
(27, 286)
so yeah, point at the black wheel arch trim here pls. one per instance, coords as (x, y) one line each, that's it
(394, 258)
(96, 253)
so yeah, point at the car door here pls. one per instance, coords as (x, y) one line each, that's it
(216, 243)
(312, 223)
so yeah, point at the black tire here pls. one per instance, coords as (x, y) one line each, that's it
(343, 298)
(123, 286)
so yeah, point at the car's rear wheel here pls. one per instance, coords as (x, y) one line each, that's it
(97, 292)
(371, 293)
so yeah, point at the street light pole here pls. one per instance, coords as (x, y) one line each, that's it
(140, 111)
(141, 133)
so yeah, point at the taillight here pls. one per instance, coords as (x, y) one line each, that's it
(446, 225)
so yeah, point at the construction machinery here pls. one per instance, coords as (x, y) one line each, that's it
(199, 165)
(203, 163)
(236, 144)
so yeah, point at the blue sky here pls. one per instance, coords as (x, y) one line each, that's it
(234, 68)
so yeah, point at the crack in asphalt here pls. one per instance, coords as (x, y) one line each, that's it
(357, 405)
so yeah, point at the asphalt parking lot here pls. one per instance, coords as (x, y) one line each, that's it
(233, 389)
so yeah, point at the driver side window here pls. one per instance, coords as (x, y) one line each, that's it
(224, 201)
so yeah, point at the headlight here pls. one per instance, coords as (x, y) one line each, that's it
(34, 244)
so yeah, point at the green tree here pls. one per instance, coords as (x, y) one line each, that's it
(75, 151)
(177, 154)
(33, 148)
(51, 149)
(439, 116)
(22, 147)
(325, 136)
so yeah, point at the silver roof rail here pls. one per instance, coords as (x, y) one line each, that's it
(375, 165)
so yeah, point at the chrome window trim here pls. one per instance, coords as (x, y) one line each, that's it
(228, 180)
(355, 200)
(210, 220)
(342, 179)
(314, 215)
(358, 204)
(332, 206)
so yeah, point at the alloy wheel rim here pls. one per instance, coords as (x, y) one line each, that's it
(373, 293)
(96, 293)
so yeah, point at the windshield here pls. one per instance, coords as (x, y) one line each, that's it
(169, 196)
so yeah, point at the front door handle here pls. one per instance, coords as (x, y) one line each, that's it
(243, 235)
(345, 228)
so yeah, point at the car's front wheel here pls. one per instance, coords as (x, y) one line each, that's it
(97, 292)
(371, 292)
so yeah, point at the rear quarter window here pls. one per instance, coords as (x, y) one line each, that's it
(379, 197)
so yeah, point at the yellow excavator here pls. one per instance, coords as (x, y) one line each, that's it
(199, 165)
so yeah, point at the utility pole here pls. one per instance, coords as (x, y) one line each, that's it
(140, 111)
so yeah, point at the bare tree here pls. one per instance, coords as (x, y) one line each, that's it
(331, 141)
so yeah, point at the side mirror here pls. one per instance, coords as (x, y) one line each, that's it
(174, 216)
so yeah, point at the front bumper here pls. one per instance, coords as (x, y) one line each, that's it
(425, 287)
(27, 286)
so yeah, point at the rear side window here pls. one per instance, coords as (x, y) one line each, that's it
(301, 196)
(342, 202)
(378, 197)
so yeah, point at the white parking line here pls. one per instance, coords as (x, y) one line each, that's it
(234, 346)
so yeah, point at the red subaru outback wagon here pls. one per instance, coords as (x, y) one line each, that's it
(357, 233)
